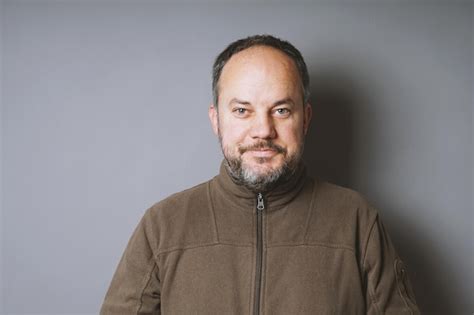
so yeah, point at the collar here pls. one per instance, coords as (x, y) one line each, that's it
(225, 187)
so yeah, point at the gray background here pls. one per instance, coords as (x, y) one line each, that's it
(104, 112)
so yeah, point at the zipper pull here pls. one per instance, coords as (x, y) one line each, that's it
(260, 203)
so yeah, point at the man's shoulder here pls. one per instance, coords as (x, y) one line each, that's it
(339, 195)
(342, 203)
(182, 219)
(340, 216)
(197, 195)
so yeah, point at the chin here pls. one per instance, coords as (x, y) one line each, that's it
(261, 166)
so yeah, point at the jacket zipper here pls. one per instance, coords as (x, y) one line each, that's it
(258, 270)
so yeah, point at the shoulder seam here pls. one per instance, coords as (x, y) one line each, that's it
(364, 256)
(310, 210)
(366, 242)
(147, 282)
(213, 213)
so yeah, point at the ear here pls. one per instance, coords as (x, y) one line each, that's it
(213, 117)
(308, 113)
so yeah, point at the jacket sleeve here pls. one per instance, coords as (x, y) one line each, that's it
(388, 290)
(135, 287)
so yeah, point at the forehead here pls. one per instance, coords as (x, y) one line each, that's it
(258, 67)
(260, 56)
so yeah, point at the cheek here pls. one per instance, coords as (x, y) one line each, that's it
(231, 137)
(291, 135)
(232, 133)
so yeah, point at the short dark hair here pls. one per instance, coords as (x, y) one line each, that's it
(260, 40)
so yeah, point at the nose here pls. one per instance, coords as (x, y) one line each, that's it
(263, 127)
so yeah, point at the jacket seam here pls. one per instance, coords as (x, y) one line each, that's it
(364, 256)
(264, 264)
(400, 282)
(213, 212)
(314, 244)
(147, 283)
(183, 248)
(310, 211)
(253, 264)
(366, 243)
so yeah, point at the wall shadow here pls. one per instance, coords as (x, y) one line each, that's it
(328, 143)
(338, 103)
(432, 281)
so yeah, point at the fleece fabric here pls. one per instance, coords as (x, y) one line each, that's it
(317, 249)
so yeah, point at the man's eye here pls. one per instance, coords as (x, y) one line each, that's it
(240, 111)
(283, 111)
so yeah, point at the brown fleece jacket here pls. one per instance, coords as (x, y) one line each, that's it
(314, 248)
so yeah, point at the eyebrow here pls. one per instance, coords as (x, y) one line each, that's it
(236, 100)
(287, 100)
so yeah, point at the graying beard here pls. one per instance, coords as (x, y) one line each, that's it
(260, 183)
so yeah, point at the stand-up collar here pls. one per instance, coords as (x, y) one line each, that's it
(275, 199)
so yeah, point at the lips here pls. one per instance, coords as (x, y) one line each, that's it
(262, 152)
(267, 147)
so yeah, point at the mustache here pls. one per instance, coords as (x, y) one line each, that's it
(262, 145)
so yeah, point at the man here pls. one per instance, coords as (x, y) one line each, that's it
(261, 237)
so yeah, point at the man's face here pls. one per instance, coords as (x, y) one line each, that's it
(261, 120)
